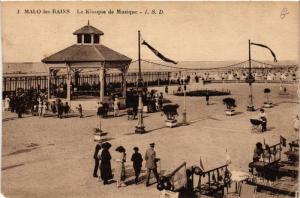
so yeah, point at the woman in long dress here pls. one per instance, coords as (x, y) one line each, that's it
(116, 107)
(120, 167)
(6, 103)
(105, 166)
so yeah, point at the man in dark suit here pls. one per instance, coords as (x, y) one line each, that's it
(60, 109)
(137, 163)
(151, 160)
(97, 149)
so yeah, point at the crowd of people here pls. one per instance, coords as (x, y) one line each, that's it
(233, 74)
(103, 169)
(21, 101)
(36, 103)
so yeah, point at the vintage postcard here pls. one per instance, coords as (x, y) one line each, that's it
(150, 99)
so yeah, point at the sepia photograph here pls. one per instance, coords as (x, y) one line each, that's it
(150, 99)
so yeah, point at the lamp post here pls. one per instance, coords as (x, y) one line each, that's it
(140, 128)
(250, 79)
(184, 122)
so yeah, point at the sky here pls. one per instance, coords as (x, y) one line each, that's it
(186, 31)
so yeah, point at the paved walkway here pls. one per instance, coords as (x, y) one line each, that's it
(50, 157)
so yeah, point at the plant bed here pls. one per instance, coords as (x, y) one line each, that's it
(203, 93)
(230, 105)
(170, 112)
(229, 112)
(268, 105)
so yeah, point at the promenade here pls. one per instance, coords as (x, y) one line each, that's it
(50, 157)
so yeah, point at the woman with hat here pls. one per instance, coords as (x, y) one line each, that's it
(120, 168)
(105, 166)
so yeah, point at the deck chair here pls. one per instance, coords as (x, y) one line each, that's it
(256, 125)
(247, 191)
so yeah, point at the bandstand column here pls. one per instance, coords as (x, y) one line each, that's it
(124, 74)
(68, 83)
(48, 82)
(101, 79)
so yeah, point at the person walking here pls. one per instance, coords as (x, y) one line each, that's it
(12, 103)
(105, 165)
(80, 111)
(151, 165)
(96, 158)
(207, 98)
(116, 105)
(120, 167)
(137, 160)
(60, 109)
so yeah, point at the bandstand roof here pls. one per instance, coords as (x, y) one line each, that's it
(86, 53)
(88, 29)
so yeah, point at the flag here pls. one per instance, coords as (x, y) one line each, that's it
(157, 53)
(228, 160)
(201, 164)
(261, 45)
(283, 141)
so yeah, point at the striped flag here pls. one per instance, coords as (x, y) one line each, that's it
(261, 45)
(157, 53)
(201, 164)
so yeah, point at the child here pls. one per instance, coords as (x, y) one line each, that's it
(79, 108)
(44, 109)
(137, 160)
(40, 108)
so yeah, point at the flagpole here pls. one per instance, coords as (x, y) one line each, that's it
(140, 128)
(250, 79)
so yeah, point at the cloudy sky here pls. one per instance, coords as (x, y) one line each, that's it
(185, 31)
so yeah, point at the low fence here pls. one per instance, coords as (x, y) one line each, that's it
(91, 81)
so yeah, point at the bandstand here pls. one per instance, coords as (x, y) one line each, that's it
(88, 55)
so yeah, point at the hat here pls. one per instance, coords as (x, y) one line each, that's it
(152, 144)
(106, 145)
(136, 148)
(120, 149)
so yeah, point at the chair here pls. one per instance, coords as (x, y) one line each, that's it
(255, 124)
(247, 191)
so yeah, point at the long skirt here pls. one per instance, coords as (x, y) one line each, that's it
(105, 170)
(120, 172)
